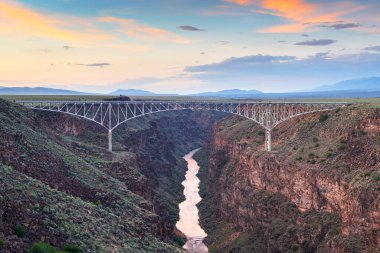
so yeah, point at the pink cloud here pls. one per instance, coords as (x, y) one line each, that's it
(134, 29)
(20, 20)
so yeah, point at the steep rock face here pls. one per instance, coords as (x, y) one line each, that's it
(61, 185)
(323, 183)
(51, 193)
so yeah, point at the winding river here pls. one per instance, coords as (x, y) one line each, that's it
(188, 212)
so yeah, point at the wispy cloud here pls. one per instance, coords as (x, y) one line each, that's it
(339, 25)
(134, 29)
(44, 50)
(373, 48)
(323, 42)
(223, 42)
(100, 65)
(18, 19)
(236, 62)
(190, 28)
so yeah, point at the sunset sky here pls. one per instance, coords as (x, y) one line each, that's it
(186, 46)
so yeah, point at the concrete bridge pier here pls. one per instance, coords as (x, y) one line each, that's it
(109, 127)
(110, 140)
(268, 141)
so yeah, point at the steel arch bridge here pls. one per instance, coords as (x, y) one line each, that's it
(111, 114)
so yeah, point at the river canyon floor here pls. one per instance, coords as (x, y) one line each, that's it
(189, 215)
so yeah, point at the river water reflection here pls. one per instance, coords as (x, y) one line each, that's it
(188, 212)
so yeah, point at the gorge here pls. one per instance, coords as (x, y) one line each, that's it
(319, 192)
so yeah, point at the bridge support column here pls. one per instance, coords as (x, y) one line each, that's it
(110, 140)
(268, 140)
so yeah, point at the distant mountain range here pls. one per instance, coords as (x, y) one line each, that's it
(38, 91)
(228, 93)
(223, 93)
(364, 87)
(134, 92)
(367, 84)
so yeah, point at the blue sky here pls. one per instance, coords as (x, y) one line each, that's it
(186, 46)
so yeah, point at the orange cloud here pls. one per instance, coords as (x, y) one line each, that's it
(304, 15)
(134, 29)
(30, 22)
(18, 19)
(300, 14)
(291, 9)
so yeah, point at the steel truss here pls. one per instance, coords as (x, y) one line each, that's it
(110, 115)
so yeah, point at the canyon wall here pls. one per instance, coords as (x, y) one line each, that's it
(318, 193)
(60, 185)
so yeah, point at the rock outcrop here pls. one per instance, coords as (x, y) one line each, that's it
(320, 192)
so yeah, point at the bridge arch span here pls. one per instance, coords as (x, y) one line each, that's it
(110, 115)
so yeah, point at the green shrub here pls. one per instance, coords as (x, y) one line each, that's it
(179, 240)
(329, 153)
(315, 139)
(341, 146)
(72, 249)
(311, 155)
(376, 177)
(323, 117)
(261, 133)
(2, 243)
(20, 231)
(367, 174)
(41, 247)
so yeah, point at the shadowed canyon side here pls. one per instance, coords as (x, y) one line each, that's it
(320, 192)
(59, 185)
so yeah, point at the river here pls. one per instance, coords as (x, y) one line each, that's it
(188, 222)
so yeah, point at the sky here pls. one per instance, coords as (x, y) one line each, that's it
(187, 46)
